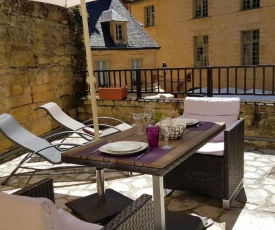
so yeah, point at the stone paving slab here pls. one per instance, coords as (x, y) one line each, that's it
(258, 212)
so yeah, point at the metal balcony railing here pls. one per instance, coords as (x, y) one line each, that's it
(196, 81)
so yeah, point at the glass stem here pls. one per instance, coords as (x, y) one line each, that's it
(166, 138)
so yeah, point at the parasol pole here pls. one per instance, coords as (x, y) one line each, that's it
(92, 82)
(91, 79)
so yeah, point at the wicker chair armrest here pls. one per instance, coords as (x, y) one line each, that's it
(233, 158)
(235, 124)
(234, 139)
(138, 215)
(43, 188)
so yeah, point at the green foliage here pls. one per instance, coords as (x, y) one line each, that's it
(79, 59)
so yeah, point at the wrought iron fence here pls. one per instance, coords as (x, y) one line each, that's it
(196, 81)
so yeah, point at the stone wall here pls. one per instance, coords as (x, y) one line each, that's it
(259, 117)
(36, 56)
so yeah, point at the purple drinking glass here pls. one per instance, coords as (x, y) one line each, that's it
(153, 136)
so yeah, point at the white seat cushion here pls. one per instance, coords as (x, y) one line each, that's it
(25, 213)
(70, 222)
(212, 148)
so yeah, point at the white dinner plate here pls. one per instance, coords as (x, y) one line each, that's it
(123, 146)
(189, 121)
(134, 146)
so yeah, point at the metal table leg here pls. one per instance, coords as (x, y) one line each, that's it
(171, 220)
(158, 204)
(100, 186)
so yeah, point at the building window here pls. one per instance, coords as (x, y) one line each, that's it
(135, 65)
(250, 4)
(250, 47)
(201, 51)
(119, 32)
(200, 8)
(103, 77)
(149, 16)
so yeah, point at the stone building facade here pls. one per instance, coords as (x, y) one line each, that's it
(177, 24)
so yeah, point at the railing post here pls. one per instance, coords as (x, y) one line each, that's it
(139, 94)
(209, 83)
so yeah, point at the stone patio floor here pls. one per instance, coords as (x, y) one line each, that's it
(257, 212)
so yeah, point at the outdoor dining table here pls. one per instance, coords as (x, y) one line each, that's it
(157, 162)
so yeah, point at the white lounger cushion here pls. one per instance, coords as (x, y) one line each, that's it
(28, 213)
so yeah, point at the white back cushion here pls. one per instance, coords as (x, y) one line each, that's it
(213, 109)
(26, 213)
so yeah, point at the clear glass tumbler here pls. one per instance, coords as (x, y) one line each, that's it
(166, 129)
(139, 122)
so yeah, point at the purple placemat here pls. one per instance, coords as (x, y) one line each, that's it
(201, 126)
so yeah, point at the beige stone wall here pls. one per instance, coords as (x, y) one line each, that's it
(36, 54)
(175, 31)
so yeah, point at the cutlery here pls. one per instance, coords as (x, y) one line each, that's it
(199, 124)
(141, 155)
(100, 147)
(94, 150)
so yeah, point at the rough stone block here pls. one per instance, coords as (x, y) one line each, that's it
(20, 58)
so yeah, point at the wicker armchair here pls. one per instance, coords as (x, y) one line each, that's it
(43, 188)
(219, 176)
(138, 215)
